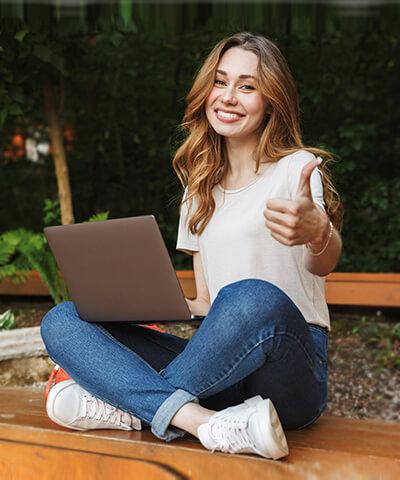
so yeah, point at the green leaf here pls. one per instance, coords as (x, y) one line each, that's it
(99, 217)
(7, 320)
(51, 212)
(125, 9)
(19, 36)
(7, 249)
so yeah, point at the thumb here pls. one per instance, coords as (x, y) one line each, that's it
(304, 188)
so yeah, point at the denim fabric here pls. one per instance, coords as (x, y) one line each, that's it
(254, 341)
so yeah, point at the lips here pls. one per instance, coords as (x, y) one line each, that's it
(227, 116)
(228, 111)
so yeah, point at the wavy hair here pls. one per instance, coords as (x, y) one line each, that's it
(201, 161)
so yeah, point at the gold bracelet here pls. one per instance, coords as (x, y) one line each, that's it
(326, 244)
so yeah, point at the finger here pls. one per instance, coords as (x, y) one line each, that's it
(281, 205)
(280, 230)
(284, 219)
(281, 239)
(304, 188)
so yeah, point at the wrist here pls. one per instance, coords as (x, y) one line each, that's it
(317, 249)
(321, 239)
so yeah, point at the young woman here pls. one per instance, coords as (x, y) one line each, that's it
(261, 222)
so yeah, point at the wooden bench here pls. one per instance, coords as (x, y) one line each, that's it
(33, 447)
(332, 448)
(363, 289)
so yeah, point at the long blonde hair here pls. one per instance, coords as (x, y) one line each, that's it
(201, 161)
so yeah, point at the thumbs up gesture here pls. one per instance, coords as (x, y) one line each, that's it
(298, 221)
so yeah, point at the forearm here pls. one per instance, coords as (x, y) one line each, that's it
(327, 261)
(198, 306)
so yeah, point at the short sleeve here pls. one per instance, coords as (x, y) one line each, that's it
(186, 241)
(295, 166)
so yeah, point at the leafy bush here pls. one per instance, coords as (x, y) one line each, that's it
(126, 103)
(22, 250)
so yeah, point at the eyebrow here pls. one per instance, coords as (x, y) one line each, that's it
(240, 76)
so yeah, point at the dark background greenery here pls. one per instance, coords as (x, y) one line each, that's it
(125, 70)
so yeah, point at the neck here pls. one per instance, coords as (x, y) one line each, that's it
(240, 156)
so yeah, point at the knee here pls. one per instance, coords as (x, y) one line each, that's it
(255, 300)
(56, 321)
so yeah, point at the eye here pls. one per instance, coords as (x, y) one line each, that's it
(220, 82)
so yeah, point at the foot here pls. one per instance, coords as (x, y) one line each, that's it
(251, 427)
(69, 405)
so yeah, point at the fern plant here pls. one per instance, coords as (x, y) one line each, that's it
(22, 250)
(7, 320)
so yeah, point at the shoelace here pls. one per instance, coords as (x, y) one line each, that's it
(93, 407)
(230, 433)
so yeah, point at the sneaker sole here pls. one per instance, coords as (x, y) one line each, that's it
(278, 448)
(275, 430)
(54, 391)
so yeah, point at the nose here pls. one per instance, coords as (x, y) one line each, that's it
(228, 97)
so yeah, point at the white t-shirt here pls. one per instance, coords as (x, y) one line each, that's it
(236, 244)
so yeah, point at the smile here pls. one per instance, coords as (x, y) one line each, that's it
(227, 117)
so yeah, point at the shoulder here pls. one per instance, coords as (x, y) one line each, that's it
(297, 160)
(293, 164)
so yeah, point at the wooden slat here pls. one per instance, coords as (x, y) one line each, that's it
(19, 461)
(332, 448)
(366, 289)
(342, 288)
(363, 289)
(372, 293)
(360, 277)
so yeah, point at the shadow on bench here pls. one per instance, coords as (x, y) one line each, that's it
(33, 447)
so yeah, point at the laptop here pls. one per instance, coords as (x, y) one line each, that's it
(119, 270)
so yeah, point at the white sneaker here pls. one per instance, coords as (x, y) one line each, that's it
(251, 427)
(69, 405)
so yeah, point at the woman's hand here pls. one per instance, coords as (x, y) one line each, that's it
(298, 221)
(198, 307)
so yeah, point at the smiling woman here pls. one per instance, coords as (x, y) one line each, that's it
(243, 90)
(258, 363)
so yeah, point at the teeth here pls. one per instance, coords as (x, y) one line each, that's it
(227, 115)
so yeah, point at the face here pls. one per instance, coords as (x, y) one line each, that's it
(235, 107)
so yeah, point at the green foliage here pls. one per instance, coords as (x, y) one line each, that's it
(51, 212)
(30, 251)
(99, 217)
(22, 250)
(13, 265)
(7, 320)
(126, 103)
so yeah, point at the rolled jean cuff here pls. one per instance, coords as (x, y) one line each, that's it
(166, 412)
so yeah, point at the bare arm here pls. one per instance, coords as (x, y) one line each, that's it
(327, 261)
(201, 305)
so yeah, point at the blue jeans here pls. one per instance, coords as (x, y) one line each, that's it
(254, 341)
